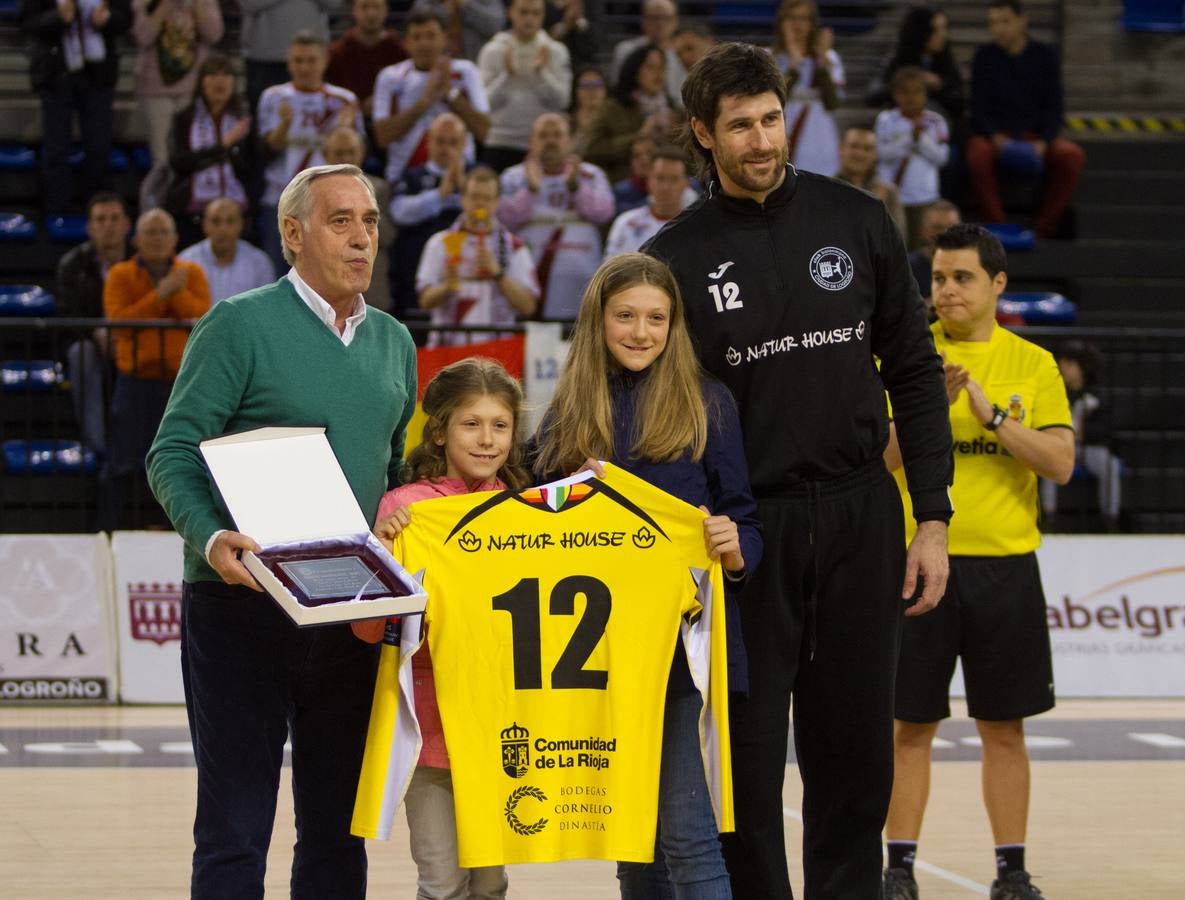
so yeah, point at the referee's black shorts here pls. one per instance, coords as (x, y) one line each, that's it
(993, 617)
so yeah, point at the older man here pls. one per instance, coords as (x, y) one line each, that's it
(231, 264)
(557, 204)
(306, 349)
(154, 284)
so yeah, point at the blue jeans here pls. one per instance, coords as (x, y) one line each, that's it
(86, 364)
(252, 679)
(688, 862)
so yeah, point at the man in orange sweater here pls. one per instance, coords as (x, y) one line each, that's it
(153, 284)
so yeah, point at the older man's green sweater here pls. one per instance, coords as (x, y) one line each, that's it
(263, 358)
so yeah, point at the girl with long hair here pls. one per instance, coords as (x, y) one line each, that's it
(632, 392)
(471, 442)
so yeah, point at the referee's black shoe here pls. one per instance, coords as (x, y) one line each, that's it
(899, 885)
(1014, 886)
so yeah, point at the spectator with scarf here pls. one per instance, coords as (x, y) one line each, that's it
(172, 38)
(638, 104)
(558, 204)
(814, 86)
(208, 147)
(477, 272)
(73, 64)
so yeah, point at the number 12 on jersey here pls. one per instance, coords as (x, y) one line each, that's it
(523, 603)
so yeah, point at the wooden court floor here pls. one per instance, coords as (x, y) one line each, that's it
(1098, 828)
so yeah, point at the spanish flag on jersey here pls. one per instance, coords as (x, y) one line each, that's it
(554, 613)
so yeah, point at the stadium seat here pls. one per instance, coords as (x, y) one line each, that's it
(33, 376)
(16, 227)
(1154, 15)
(1013, 237)
(118, 161)
(141, 157)
(40, 457)
(1037, 308)
(70, 229)
(25, 300)
(17, 158)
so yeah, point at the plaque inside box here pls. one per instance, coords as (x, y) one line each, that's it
(341, 570)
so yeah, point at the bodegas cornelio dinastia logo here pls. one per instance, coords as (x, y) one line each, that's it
(516, 762)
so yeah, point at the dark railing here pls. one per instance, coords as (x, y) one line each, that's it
(57, 370)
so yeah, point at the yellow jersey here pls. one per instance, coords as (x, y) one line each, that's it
(995, 497)
(553, 617)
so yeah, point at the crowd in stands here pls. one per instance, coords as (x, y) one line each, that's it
(576, 159)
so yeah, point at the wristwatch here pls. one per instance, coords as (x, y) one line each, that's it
(999, 414)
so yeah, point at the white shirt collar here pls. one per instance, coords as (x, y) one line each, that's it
(325, 312)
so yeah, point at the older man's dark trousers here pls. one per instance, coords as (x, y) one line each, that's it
(822, 622)
(253, 680)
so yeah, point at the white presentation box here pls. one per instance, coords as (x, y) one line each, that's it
(320, 562)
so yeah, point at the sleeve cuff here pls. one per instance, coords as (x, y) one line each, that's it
(932, 506)
(210, 544)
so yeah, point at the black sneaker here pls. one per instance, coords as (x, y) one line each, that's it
(1014, 886)
(899, 885)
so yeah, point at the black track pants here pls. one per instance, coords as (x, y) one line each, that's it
(821, 620)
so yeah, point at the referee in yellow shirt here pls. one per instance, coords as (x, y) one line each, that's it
(1011, 422)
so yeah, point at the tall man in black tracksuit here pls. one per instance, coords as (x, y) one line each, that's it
(793, 283)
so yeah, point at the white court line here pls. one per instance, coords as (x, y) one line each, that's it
(953, 877)
(1156, 739)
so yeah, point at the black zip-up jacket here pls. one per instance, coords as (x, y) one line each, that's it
(789, 302)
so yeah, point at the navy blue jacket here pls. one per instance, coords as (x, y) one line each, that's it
(1016, 94)
(719, 481)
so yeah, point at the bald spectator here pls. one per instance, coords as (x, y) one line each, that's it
(557, 203)
(154, 284)
(939, 217)
(231, 264)
(526, 73)
(668, 186)
(410, 94)
(346, 147)
(857, 166)
(294, 120)
(468, 24)
(660, 21)
(427, 199)
(357, 57)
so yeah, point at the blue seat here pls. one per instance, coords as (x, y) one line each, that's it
(41, 457)
(118, 161)
(35, 376)
(141, 157)
(69, 229)
(1013, 237)
(1038, 307)
(1154, 15)
(25, 300)
(16, 227)
(16, 158)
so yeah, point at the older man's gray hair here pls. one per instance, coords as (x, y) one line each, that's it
(297, 198)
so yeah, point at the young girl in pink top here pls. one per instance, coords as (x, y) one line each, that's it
(471, 443)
